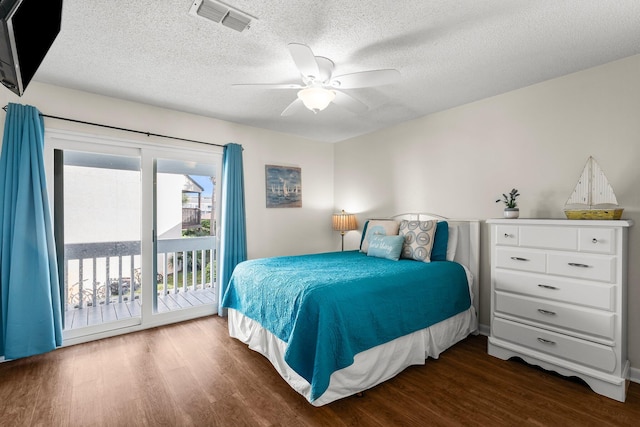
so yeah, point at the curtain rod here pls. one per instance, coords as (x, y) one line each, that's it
(124, 129)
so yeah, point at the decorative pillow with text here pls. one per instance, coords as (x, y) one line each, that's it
(388, 247)
(385, 227)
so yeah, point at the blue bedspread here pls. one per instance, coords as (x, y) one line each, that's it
(329, 307)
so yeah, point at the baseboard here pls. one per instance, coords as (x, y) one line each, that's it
(634, 375)
(484, 329)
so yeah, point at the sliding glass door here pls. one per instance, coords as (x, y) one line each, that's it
(135, 230)
(101, 206)
(186, 234)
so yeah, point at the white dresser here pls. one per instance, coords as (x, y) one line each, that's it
(558, 298)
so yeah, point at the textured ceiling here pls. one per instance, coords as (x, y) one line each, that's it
(448, 53)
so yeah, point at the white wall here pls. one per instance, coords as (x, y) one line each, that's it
(169, 198)
(270, 231)
(537, 139)
(95, 214)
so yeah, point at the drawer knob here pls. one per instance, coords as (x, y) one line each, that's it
(517, 258)
(577, 264)
(548, 287)
(507, 235)
(547, 312)
(594, 240)
(543, 341)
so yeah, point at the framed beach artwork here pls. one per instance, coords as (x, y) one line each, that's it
(283, 186)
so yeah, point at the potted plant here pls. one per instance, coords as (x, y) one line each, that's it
(511, 206)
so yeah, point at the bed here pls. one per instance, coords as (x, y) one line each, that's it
(336, 324)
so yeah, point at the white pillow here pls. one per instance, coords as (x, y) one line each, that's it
(452, 244)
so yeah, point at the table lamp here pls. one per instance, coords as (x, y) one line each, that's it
(344, 222)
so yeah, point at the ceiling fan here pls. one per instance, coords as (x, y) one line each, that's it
(320, 87)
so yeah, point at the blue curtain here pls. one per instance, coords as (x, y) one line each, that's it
(233, 234)
(30, 321)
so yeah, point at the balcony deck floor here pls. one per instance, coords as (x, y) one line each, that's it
(104, 313)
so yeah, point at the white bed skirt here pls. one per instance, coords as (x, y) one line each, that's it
(371, 367)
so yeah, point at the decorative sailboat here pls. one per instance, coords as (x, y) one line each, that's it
(593, 196)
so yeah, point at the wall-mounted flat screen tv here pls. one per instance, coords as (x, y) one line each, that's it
(27, 31)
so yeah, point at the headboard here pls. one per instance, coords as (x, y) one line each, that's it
(467, 250)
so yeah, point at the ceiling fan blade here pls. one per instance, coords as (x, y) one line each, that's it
(366, 79)
(349, 102)
(304, 60)
(293, 108)
(325, 68)
(269, 85)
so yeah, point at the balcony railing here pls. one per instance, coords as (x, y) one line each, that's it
(109, 272)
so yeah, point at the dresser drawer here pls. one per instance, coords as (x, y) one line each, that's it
(507, 235)
(562, 238)
(590, 267)
(587, 321)
(520, 259)
(568, 348)
(597, 240)
(581, 292)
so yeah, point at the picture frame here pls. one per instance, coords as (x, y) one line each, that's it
(283, 186)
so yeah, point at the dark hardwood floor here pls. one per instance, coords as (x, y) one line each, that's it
(193, 374)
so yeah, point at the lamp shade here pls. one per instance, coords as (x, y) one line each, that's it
(316, 98)
(344, 221)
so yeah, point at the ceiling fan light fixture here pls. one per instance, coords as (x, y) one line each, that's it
(316, 98)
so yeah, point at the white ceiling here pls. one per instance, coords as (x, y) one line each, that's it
(448, 53)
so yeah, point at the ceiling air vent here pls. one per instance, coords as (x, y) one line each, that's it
(221, 13)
